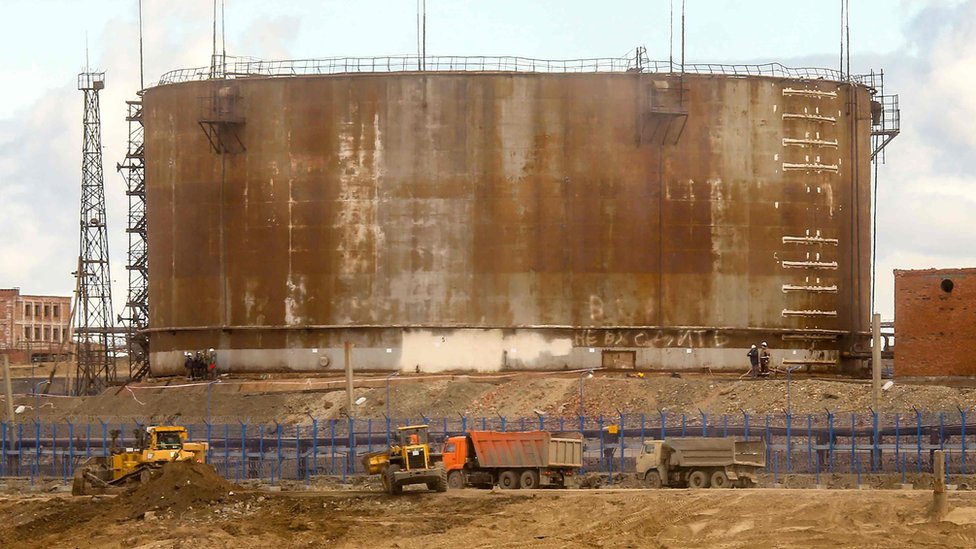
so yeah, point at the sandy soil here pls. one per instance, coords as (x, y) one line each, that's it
(475, 518)
(291, 399)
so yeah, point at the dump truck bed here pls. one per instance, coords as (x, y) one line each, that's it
(716, 452)
(536, 449)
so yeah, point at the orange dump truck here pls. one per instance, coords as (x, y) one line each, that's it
(511, 459)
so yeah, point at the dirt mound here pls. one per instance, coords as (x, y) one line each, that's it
(177, 487)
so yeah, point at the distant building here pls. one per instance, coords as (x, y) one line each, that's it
(33, 325)
(935, 322)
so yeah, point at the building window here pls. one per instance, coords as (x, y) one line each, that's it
(56, 311)
(47, 311)
(37, 333)
(47, 333)
(27, 310)
(37, 310)
(27, 332)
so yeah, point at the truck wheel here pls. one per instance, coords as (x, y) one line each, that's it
(720, 480)
(652, 479)
(455, 480)
(393, 488)
(508, 480)
(698, 479)
(529, 480)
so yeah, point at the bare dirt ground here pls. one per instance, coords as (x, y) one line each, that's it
(295, 399)
(476, 518)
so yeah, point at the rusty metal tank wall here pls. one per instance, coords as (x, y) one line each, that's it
(500, 220)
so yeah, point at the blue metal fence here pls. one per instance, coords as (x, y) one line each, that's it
(829, 442)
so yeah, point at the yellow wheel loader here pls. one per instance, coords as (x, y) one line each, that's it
(124, 467)
(408, 461)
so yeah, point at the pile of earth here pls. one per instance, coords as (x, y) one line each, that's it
(177, 487)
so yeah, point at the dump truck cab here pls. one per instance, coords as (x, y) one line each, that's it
(652, 462)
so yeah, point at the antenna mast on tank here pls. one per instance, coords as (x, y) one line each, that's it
(94, 327)
(132, 168)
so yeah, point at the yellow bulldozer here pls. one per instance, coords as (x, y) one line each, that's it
(124, 467)
(408, 461)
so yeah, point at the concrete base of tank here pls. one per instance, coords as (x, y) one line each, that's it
(496, 349)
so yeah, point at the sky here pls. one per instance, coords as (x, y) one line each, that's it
(927, 187)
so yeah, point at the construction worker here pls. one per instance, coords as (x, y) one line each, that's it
(753, 355)
(188, 364)
(212, 363)
(764, 360)
(414, 439)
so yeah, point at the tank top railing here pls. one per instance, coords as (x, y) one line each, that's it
(248, 67)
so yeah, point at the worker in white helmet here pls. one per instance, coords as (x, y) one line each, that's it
(753, 355)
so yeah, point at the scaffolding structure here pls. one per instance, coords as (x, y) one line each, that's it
(94, 331)
(136, 315)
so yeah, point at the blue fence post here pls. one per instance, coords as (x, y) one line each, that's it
(725, 425)
(54, 449)
(704, 417)
(226, 450)
(522, 424)
(789, 441)
(853, 441)
(209, 441)
(20, 446)
(601, 460)
(542, 422)
(87, 440)
(898, 442)
(464, 424)
(369, 434)
(769, 445)
(918, 440)
(745, 424)
(332, 467)
(562, 427)
(299, 462)
(71, 451)
(810, 443)
(484, 423)
(642, 430)
(104, 438)
(830, 441)
(942, 431)
(261, 452)
(623, 424)
(962, 438)
(3, 449)
(876, 449)
(503, 423)
(276, 468)
(36, 469)
(351, 454)
(684, 422)
(242, 471)
(664, 421)
(315, 444)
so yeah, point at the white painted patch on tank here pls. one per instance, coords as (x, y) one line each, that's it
(480, 350)
(295, 300)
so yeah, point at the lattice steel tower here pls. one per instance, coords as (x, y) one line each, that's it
(94, 326)
(136, 318)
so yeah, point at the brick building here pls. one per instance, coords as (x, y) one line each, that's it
(33, 325)
(935, 322)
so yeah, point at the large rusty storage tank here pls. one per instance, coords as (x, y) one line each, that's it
(484, 220)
